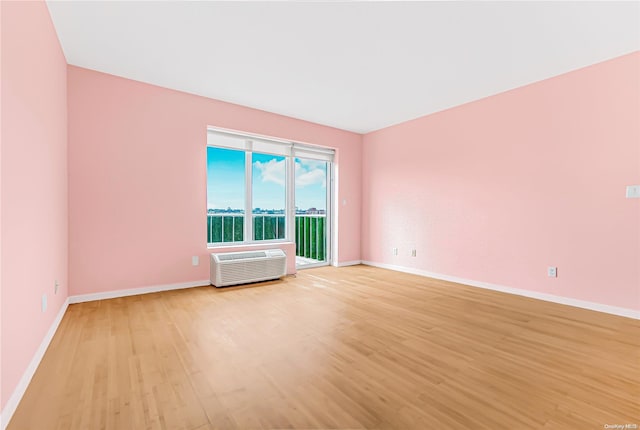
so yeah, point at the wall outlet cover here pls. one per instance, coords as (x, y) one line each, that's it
(633, 191)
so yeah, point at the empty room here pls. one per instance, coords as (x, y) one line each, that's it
(319, 215)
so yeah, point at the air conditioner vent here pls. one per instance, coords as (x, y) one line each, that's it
(235, 268)
(241, 255)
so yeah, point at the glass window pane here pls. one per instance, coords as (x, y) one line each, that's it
(225, 195)
(311, 186)
(269, 196)
(311, 210)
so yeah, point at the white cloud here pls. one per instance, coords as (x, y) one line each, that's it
(272, 171)
(310, 172)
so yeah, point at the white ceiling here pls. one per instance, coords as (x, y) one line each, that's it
(358, 66)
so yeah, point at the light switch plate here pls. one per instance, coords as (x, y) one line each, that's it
(633, 191)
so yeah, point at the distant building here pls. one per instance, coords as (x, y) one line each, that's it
(314, 211)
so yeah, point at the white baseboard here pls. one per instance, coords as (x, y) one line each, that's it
(347, 263)
(614, 310)
(21, 388)
(135, 291)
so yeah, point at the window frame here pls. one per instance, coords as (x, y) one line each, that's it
(249, 226)
(290, 151)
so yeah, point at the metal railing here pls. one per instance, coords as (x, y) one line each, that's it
(225, 228)
(311, 238)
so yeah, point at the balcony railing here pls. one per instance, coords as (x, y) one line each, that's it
(311, 238)
(310, 231)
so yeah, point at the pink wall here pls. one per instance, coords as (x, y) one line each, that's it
(34, 183)
(2, 401)
(137, 175)
(499, 189)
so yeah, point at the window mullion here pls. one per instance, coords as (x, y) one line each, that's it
(248, 203)
(290, 212)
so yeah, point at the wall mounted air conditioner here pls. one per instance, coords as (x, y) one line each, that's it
(232, 268)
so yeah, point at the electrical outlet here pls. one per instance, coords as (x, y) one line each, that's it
(552, 272)
(44, 303)
(413, 252)
(395, 251)
(55, 287)
(195, 260)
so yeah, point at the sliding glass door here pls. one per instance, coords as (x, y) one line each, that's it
(312, 208)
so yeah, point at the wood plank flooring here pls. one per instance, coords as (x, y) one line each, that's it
(350, 348)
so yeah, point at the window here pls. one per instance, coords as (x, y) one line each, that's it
(225, 195)
(269, 196)
(251, 187)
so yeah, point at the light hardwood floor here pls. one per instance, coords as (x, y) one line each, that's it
(349, 348)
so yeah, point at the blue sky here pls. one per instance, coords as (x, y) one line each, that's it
(225, 181)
